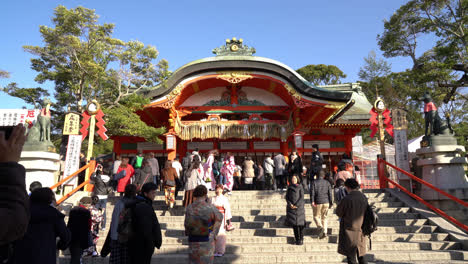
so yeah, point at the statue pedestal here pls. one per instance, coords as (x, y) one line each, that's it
(40, 166)
(443, 167)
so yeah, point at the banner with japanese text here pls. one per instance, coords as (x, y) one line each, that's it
(12, 117)
(72, 159)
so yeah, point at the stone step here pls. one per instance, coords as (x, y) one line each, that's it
(234, 238)
(279, 209)
(281, 217)
(332, 228)
(289, 232)
(325, 247)
(433, 256)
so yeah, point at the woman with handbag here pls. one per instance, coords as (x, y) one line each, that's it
(194, 177)
(222, 204)
(168, 180)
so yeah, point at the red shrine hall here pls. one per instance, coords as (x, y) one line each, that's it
(250, 106)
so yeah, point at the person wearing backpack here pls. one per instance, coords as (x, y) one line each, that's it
(351, 210)
(143, 175)
(147, 231)
(119, 250)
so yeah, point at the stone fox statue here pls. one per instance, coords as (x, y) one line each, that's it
(44, 124)
(434, 125)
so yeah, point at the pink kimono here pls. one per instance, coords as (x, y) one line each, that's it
(208, 168)
(228, 171)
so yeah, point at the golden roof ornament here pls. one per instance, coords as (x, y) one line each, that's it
(234, 47)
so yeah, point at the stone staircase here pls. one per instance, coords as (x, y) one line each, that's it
(261, 237)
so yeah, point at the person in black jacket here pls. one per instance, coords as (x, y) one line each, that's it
(79, 223)
(315, 163)
(14, 204)
(295, 212)
(321, 199)
(39, 244)
(147, 232)
(294, 165)
(101, 190)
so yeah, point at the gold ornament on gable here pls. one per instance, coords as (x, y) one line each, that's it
(234, 77)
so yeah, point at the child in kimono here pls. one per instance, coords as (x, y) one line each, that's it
(221, 202)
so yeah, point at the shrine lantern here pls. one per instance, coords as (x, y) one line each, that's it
(298, 139)
(170, 142)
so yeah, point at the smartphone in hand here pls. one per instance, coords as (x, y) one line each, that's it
(7, 130)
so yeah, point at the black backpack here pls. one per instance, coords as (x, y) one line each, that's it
(369, 225)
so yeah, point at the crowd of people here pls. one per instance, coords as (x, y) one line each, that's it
(32, 223)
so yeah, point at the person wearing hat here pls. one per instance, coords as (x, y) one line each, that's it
(315, 163)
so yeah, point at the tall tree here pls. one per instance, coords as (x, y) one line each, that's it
(374, 73)
(33, 96)
(443, 68)
(444, 20)
(85, 62)
(322, 74)
(4, 74)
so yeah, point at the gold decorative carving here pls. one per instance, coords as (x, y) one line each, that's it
(334, 105)
(292, 92)
(175, 92)
(234, 77)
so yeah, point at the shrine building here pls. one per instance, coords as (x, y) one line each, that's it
(250, 106)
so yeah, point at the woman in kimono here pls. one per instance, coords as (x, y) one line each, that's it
(228, 170)
(194, 176)
(222, 204)
(210, 183)
(202, 223)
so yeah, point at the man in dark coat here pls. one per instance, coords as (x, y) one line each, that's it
(321, 199)
(280, 171)
(14, 204)
(295, 212)
(315, 163)
(79, 223)
(351, 210)
(39, 244)
(147, 234)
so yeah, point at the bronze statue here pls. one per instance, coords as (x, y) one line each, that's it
(434, 125)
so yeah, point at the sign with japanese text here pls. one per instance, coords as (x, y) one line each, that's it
(200, 145)
(72, 159)
(149, 146)
(72, 124)
(401, 152)
(12, 117)
(233, 145)
(321, 144)
(266, 145)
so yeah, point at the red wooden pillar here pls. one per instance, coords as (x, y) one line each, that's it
(182, 148)
(284, 148)
(349, 141)
(381, 171)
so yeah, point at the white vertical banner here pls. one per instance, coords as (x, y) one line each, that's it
(400, 137)
(72, 159)
(401, 152)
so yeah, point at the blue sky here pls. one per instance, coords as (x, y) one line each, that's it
(297, 33)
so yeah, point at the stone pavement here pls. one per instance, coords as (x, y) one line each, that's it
(260, 236)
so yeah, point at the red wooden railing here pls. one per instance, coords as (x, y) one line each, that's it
(91, 165)
(383, 177)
